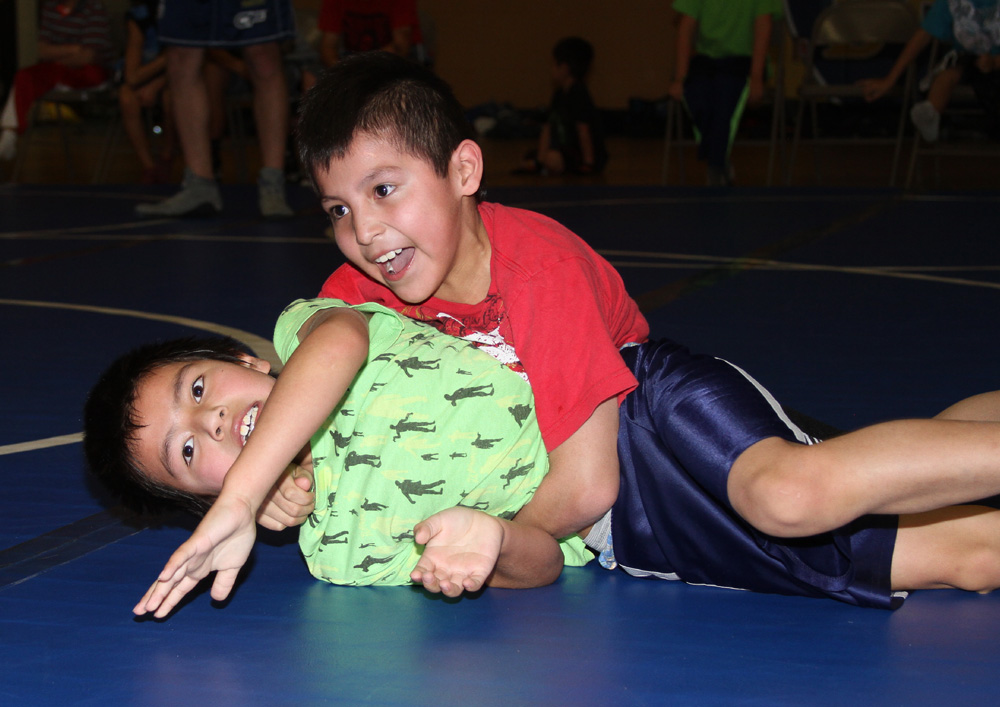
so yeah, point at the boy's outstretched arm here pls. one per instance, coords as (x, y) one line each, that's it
(465, 549)
(582, 483)
(334, 346)
(876, 88)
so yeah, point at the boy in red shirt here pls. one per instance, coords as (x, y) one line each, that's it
(398, 171)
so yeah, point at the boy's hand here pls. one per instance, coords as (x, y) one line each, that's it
(221, 543)
(290, 501)
(461, 547)
(874, 88)
(987, 63)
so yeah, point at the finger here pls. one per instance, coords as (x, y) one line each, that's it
(426, 529)
(177, 592)
(270, 523)
(303, 478)
(421, 533)
(141, 608)
(156, 595)
(474, 582)
(223, 584)
(428, 580)
(442, 583)
(431, 584)
(292, 495)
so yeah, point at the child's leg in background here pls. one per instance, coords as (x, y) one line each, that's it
(942, 87)
(986, 86)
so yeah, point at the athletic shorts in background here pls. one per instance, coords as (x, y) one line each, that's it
(225, 23)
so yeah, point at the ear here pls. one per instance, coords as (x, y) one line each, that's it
(467, 165)
(254, 363)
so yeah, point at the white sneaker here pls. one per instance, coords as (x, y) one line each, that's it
(271, 194)
(8, 144)
(927, 120)
(199, 197)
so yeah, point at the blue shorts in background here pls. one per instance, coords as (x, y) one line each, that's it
(225, 23)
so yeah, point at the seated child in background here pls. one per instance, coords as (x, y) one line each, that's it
(144, 82)
(721, 57)
(972, 28)
(572, 137)
(393, 160)
(74, 50)
(399, 422)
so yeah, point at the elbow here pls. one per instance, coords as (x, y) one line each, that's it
(593, 500)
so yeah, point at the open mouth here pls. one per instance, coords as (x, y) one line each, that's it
(249, 422)
(395, 261)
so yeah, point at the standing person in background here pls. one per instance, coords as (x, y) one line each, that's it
(352, 26)
(190, 28)
(74, 49)
(721, 58)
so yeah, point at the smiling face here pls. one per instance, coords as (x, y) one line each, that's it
(406, 226)
(195, 418)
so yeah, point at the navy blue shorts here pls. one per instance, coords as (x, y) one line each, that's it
(225, 23)
(680, 433)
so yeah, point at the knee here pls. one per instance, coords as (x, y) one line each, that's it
(128, 101)
(979, 571)
(778, 490)
(976, 568)
(264, 63)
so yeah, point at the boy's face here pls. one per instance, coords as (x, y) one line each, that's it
(404, 225)
(196, 417)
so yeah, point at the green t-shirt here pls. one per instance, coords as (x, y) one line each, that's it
(430, 422)
(725, 27)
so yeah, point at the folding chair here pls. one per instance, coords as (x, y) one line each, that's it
(852, 31)
(103, 97)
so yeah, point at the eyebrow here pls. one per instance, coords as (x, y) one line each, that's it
(372, 177)
(168, 440)
(378, 174)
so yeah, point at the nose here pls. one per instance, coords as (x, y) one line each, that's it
(367, 226)
(214, 422)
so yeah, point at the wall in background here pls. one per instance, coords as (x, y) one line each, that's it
(501, 50)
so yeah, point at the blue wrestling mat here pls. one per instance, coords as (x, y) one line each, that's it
(851, 306)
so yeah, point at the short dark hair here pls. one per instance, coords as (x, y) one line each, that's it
(577, 53)
(110, 425)
(386, 96)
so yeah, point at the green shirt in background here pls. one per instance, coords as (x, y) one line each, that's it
(725, 27)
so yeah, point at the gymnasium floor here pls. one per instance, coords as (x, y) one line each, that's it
(850, 305)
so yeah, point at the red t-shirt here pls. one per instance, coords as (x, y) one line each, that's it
(556, 311)
(365, 25)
